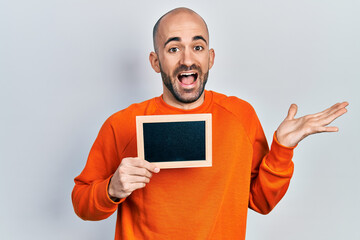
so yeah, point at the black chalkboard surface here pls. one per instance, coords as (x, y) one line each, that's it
(173, 141)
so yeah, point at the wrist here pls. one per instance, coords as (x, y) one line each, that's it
(110, 193)
(282, 140)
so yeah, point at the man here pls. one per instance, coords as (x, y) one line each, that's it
(191, 203)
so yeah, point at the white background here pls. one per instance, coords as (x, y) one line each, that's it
(65, 66)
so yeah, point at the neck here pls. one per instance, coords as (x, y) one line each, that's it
(172, 101)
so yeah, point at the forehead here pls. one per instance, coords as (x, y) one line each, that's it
(183, 25)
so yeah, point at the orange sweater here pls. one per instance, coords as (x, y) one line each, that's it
(188, 203)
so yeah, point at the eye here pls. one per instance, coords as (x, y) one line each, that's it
(173, 50)
(198, 48)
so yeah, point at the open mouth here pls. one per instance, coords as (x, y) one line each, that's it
(187, 78)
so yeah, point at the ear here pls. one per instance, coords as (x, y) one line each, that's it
(154, 61)
(211, 58)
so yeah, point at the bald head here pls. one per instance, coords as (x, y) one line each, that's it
(167, 16)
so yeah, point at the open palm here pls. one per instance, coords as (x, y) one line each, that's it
(292, 130)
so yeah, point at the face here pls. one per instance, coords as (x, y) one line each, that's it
(183, 57)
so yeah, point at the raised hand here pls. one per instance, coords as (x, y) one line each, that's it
(132, 174)
(292, 130)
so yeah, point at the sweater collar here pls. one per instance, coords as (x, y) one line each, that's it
(168, 109)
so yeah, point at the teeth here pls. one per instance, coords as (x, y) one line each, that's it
(186, 74)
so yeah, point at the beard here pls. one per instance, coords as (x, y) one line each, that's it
(184, 95)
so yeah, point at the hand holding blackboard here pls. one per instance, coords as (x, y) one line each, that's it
(132, 174)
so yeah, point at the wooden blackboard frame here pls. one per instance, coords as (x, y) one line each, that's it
(206, 117)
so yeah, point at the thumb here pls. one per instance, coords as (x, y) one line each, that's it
(292, 112)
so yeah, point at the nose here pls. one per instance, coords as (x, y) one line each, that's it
(187, 58)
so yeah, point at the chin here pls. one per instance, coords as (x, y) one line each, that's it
(188, 97)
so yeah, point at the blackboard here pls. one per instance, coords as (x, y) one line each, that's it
(175, 141)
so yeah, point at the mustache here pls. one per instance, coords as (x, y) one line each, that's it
(182, 68)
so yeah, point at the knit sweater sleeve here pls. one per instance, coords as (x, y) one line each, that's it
(271, 172)
(90, 194)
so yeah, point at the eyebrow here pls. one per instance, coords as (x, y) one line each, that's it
(178, 39)
(199, 38)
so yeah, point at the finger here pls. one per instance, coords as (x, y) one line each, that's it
(145, 164)
(137, 162)
(327, 129)
(334, 115)
(136, 179)
(140, 163)
(326, 111)
(332, 109)
(341, 106)
(332, 129)
(135, 171)
(153, 168)
(335, 111)
(337, 107)
(129, 188)
(292, 112)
